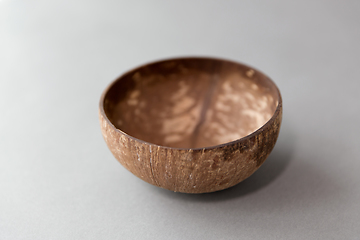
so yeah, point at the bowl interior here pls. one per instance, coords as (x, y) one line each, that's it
(191, 103)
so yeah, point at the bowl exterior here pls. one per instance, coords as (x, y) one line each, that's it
(198, 170)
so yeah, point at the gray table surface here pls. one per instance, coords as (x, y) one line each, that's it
(58, 180)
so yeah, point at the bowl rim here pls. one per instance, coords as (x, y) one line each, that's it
(245, 138)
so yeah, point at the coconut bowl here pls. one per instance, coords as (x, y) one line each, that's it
(191, 125)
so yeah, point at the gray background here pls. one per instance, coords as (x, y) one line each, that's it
(58, 180)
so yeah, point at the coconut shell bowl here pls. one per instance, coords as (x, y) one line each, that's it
(191, 125)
